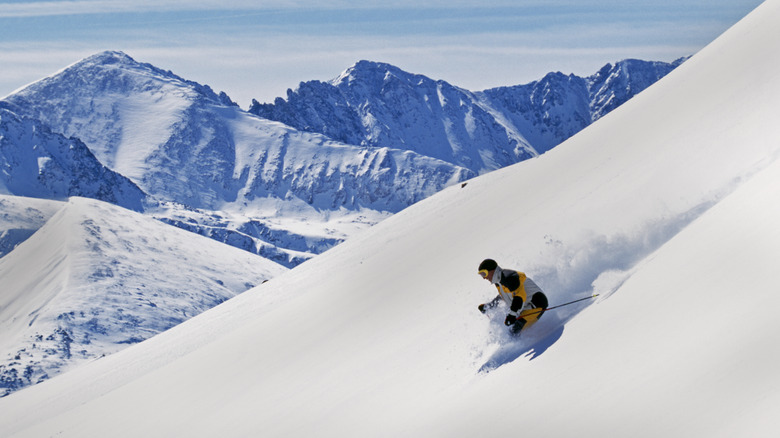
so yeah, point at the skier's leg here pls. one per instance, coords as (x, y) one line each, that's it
(539, 300)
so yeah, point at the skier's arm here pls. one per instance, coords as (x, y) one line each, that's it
(484, 307)
(514, 310)
(514, 283)
(517, 304)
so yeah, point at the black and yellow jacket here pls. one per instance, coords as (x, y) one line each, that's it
(515, 288)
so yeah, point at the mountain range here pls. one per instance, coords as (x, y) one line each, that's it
(184, 145)
(378, 105)
(111, 129)
(367, 144)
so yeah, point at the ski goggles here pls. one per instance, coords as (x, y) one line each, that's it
(484, 273)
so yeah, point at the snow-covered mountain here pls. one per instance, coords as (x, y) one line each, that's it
(21, 217)
(549, 111)
(221, 172)
(182, 143)
(38, 163)
(282, 194)
(377, 104)
(209, 168)
(667, 207)
(95, 278)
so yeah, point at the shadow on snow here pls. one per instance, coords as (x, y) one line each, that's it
(510, 350)
(532, 342)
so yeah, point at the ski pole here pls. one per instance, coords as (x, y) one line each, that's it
(572, 302)
(559, 305)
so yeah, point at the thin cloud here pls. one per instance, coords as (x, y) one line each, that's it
(85, 7)
(260, 59)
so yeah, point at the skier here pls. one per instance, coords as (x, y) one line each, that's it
(514, 288)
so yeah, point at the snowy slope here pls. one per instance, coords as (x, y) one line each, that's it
(687, 346)
(97, 278)
(667, 207)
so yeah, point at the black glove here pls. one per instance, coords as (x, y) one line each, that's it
(510, 319)
(482, 308)
(515, 329)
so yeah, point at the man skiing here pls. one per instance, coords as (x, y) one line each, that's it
(514, 288)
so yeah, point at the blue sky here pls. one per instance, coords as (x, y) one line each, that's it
(259, 49)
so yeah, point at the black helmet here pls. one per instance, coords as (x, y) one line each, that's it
(488, 265)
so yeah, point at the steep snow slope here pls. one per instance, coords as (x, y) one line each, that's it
(97, 278)
(380, 336)
(686, 347)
